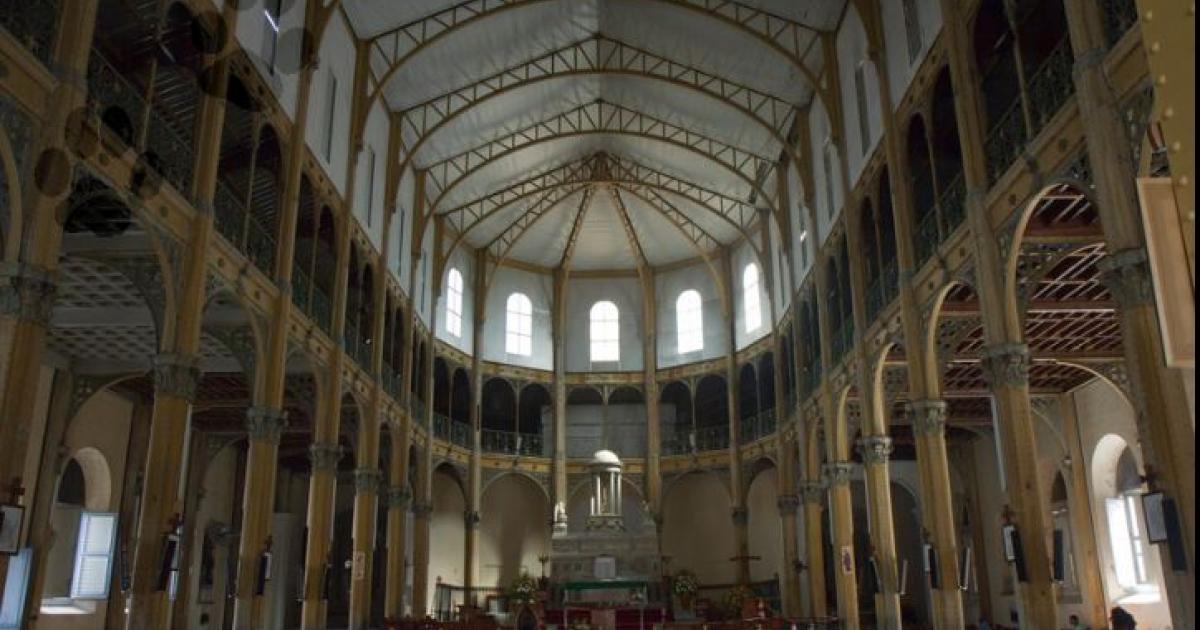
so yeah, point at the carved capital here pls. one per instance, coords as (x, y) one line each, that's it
(875, 449)
(1127, 276)
(811, 492)
(422, 510)
(176, 375)
(471, 519)
(398, 497)
(837, 473)
(928, 417)
(740, 516)
(265, 423)
(26, 293)
(787, 504)
(1006, 364)
(367, 480)
(324, 456)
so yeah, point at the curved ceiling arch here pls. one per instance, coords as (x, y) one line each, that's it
(597, 118)
(609, 56)
(398, 46)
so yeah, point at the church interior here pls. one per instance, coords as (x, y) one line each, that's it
(597, 314)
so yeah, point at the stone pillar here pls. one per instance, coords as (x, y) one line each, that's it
(175, 380)
(928, 420)
(366, 498)
(560, 401)
(837, 479)
(876, 451)
(421, 515)
(812, 492)
(1006, 367)
(263, 428)
(788, 505)
(322, 491)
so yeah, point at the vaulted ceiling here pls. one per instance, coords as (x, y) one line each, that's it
(673, 113)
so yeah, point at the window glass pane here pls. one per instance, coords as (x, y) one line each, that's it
(93, 555)
(912, 29)
(689, 322)
(454, 285)
(518, 325)
(751, 304)
(1118, 529)
(604, 332)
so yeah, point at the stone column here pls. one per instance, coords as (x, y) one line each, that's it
(739, 514)
(928, 420)
(560, 401)
(812, 492)
(837, 479)
(788, 505)
(263, 428)
(322, 491)
(876, 451)
(421, 515)
(1006, 367)
(1083, 531)
(175, 380)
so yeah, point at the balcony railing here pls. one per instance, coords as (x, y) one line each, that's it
(927, 236)
(33, 23)
(1005, 141)
(953, 204)
(843, 338)
(512, 443)
(758, 427)
(300, 285)
(1118, 17)
(1051, 85)
(701, 440)
(416, 409)
(452, 431)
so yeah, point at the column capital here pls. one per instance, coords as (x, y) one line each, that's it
(398, 497)
(26, 293)
(177, 375)
(324, 456)
(837, 473)
(265, 423)
(812, 492)
(422, 510)
(471, 519)
(875, 449)
(367, 480)
(928, 417)
(1126, 274)
(740, 516)
(787, 504)
(1006, 364)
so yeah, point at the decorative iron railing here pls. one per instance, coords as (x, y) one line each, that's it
(512, 443)
(1051, 85)
(953, 204)
(701, 440)
(758, 427)
(322, 310)
(1117, 16)
(1005, 141)
(300, 286)
(452, 431)
(927, 236)
(416, 409)
(33, 23)
(843, 338)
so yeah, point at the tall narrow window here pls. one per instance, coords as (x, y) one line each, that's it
(912, 29)
(751, 304)
(94, 555)
(454, 295)
(271, 18)
(605, 332)
(803, 247)
(370, 192)
(1128, 545)
(689, 322)
(518, 338)
(330, 111)
(827, 167)
(864, 120)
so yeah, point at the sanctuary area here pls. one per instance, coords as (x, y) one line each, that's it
(597, 314)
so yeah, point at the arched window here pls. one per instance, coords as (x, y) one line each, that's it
(454, 295)
(689, 322)
(751, 304)
(518, 327)
(605, 332)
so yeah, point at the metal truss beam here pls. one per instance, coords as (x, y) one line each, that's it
(395, 47)
(597, 55)
(598, 117)
(630, 234)
(596, 169)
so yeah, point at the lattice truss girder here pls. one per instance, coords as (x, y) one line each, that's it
(601, 168)
(394, 47)
(597, 54)
(593, 118)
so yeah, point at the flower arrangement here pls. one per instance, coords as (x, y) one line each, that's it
(736, 598)
(686, 584)
(523, 589)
